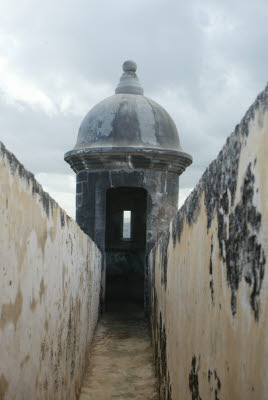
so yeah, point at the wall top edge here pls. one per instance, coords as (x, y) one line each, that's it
(48, 203)
(220, 177)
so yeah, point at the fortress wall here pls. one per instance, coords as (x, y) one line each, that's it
(49, 290)
(209, 277)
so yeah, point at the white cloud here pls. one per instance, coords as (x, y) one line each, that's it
(18, 91)
(61, 187)
(183, 194)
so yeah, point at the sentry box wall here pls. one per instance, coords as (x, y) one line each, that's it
(128, 160)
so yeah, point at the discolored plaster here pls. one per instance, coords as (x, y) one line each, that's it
(48, 269)
(3, 386)
(207, 280)
(41, 290)
(16, 167)
(11, 312)
(211, 283)
(46, 325)
(193, 379)
(24, 361)
(33, 303)
(244, 253)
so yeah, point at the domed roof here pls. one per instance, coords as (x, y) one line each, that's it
(127, 121)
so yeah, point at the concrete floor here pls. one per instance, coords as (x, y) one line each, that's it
(120, 361)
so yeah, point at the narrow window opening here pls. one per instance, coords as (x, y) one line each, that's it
(126, 224)
(125, 245)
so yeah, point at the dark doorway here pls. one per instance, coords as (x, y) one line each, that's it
(125, 244)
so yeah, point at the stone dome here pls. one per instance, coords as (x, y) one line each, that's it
(128, 119)
(127, 122)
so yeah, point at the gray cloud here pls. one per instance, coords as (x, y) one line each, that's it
(205, 62)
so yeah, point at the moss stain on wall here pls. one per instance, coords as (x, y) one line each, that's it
(208, 294)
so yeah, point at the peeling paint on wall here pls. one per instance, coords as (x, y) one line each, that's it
(208, 280)
(49, 295)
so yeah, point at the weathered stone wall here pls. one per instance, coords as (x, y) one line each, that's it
(162, 202)
(208, 278)
(49, 290)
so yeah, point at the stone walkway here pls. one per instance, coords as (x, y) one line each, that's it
(120, 362)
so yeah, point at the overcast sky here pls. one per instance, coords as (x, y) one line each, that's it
(204, 61)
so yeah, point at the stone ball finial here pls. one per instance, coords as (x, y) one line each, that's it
(129, 66)
(129, 82)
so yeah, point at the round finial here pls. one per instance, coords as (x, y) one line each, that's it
(129, 66)
(129, 82)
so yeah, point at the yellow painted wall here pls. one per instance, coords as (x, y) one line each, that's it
(49, 290)
(209, 278)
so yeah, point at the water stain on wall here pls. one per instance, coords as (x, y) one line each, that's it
(33, 303)
(42, 289)
(41, 249)
(11, 311)
(3, 386)
(24, 361)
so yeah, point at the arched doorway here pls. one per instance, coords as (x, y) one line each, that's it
(126, 212)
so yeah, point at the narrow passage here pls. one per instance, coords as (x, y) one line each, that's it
(120, 362)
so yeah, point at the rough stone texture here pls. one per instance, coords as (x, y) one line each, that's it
(127, 140)
(208, 279)
(162, 200)
(49, 290)
(162, 188)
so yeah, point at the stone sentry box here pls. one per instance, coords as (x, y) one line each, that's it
(127, 157)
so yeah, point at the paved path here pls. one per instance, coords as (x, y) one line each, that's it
(120, 362)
